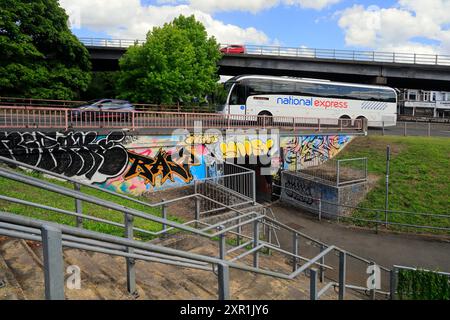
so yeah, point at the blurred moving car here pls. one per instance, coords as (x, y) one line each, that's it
(234, 49)
(98, 109)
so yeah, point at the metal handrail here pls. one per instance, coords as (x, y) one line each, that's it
(314, 53)
(94, 187)
(136, 213)
(110, 247)
(366, 209)
(63, 118)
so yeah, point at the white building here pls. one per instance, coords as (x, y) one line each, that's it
(422, 103)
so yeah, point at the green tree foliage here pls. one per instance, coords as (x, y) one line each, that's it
(103, 85)
(422, 285)
(40, 57)
(177, 63)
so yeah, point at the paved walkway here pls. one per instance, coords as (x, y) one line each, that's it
(384, 248)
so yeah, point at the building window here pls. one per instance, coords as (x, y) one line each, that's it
(412, 96)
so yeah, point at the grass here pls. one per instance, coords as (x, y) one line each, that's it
(419, 178)
(29, 193)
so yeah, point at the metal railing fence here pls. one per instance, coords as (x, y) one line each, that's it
(383, 217)
(51, 103)
(413, 129)
(313, 53)
(337, 172)
(54, 236)
(64, 118)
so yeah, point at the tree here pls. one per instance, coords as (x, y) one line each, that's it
(178, 62)
(40, 57)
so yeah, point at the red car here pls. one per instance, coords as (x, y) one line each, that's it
(233, 49)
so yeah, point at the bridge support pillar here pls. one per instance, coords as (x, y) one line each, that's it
(380, 81)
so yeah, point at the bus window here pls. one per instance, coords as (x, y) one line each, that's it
(369, 94)
(388, 96)
(257, 87)
(238, 96)
(347, 92)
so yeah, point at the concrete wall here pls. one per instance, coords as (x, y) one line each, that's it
(135, 164)
(302, 191)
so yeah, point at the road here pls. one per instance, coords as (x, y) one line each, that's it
(414, 129)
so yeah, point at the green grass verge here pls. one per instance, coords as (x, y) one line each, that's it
(23, 191)
(419, 178)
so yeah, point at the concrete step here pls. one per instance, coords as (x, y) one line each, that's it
(9, 287)
(26, 269)
(104, 276)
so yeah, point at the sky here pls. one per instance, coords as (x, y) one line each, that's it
(420, 26)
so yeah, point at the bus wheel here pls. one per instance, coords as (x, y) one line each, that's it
(345, 121)
(364, 119)
(265, 119)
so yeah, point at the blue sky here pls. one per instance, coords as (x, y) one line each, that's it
(422, 26)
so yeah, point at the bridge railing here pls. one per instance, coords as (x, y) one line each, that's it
(314, 53)
(15, 117)
(52, 103)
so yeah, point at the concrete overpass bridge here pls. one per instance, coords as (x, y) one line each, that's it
(400, 70)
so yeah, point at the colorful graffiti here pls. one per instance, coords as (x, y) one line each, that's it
(248, 147)
(137, 164)
(304, 151)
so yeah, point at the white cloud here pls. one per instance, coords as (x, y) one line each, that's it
(132, 20)
(250, 5)
(411, 26)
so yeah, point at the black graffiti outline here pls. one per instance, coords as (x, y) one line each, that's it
(149, 168)
(80, 154)
(299, 191)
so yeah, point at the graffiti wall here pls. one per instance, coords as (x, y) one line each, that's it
(299, 152)
(137, 164)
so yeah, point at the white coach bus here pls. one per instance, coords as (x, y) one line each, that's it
(309, 98)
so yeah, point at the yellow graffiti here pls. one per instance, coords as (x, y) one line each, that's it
(249, 148)
(201, 139)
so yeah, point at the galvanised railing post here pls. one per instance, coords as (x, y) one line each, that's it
(256, 243)
(313, 284)
(78, 206)
(131, 263)
(66, 120)
(222, 243)
(164, 214)
(429, 129)
(53, 263)
(238, 231)
(404, 130)
(254, 187)
(393, 283)
(197, 211)
(133, 120)
(295, 240)
(321, 268)
(342, 274)
(223, 277)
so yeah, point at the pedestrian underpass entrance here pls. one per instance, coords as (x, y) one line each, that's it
(263, 176)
